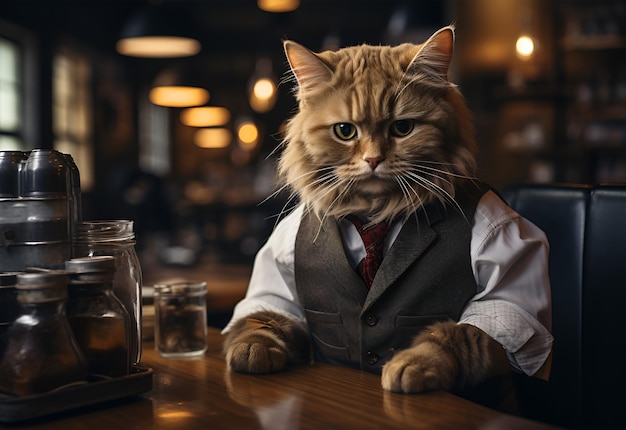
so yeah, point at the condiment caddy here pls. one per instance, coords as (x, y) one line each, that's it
(62, 275)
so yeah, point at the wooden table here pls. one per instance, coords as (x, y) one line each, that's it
(201, 394)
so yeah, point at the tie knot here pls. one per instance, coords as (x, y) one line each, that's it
(373, 237)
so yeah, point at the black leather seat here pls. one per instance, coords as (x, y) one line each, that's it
(586, 227)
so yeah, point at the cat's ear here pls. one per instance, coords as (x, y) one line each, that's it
(308, 69)
(435, 55)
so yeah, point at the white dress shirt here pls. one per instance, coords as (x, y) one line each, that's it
(509, 257)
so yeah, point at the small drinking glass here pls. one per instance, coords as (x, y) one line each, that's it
(181, 319)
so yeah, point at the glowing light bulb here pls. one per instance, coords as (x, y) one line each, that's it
(248, 135)
(525, 47)
(264, 89)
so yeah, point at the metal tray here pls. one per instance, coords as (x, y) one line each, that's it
(22, 408)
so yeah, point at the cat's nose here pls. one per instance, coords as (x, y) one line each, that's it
(373, 161)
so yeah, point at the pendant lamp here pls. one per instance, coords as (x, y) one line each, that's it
(179, 86)
(158, 32)
(278, 6)
(262, 87)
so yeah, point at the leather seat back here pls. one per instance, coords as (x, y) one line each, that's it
(561, 212)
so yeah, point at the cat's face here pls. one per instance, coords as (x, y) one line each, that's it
(379, 131)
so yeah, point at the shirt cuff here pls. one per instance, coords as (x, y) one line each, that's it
(526, 342)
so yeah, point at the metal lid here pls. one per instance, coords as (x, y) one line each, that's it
(41, 286)
(8, 279)
(91, 270)
(100, 263)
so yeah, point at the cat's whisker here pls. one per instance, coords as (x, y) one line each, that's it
(445, 172)
(339, 195)
(420, 172)
(420, 202)
(294, 195)
(405, 187)
(437, 190)
(283, 211)
(337, 198)
(439, 163)
(414, 212)
(285, 186)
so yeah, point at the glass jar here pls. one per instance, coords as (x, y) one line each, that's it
(117, 239)
(180, 319)
(98, 319)
(8, 306)
(42, 353)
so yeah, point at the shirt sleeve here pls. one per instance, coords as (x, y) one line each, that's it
(510, 263)
(272, 284)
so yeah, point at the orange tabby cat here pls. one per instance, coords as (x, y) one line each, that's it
(383, 138)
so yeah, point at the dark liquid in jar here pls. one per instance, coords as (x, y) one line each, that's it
(103, 342)
(181, 329)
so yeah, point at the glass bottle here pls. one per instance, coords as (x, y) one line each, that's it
(42, 353)
(98, 319)
(117, 239)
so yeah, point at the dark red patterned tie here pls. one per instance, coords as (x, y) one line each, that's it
(374, 240)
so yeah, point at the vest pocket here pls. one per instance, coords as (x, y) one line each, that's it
(420, 320)
(328, 335)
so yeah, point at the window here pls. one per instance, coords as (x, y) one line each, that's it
(11, 96)
(71, 114)
(154, 156)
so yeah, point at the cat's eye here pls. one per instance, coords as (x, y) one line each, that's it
(401, 128)
(345, 131)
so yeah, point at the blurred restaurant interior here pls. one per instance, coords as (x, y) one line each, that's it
(550, 110)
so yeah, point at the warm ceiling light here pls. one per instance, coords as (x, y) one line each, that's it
(205, 116)
(248, 135)
(263, 96)
(213, 137)
(175, 96)
(264, 89)
(158, 31)
(278, 5)
(158, 46)
(262, 92)
(525, 46)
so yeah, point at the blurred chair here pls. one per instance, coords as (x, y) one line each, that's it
(586, 227)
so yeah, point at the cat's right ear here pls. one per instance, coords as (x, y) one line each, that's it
(308, 69)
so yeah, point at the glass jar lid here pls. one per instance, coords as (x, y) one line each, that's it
(175, 288)
(105, 231)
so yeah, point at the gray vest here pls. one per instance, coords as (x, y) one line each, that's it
(425, 277)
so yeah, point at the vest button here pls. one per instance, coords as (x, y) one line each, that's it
(371, 320)
(372, 357)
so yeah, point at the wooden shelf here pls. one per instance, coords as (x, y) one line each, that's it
(593, 43)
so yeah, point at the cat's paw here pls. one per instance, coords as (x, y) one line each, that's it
(425, 367)
(257, 351)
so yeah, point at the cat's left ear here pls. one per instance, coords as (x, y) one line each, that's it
(308, 68)
(435, 55)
